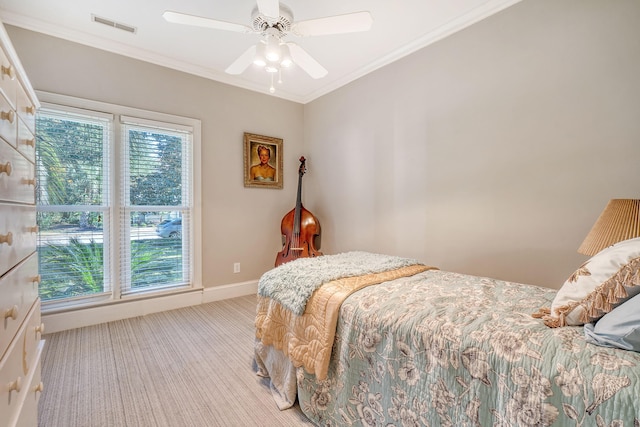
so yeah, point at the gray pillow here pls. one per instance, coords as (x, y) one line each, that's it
(619, 328)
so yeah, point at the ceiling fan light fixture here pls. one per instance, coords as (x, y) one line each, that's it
(273, 55)
(260, 57)
(286, 60)
(271, 68)
(272, 52)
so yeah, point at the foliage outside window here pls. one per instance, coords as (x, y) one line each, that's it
(114, 202)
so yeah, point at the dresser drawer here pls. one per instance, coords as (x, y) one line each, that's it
(8, 81)
(26, 142)
(26, 109)
(8, 121)
(18, 233)
(31, 338)
(18, 292)
(27, 415)
(17, 176)
(18, 366)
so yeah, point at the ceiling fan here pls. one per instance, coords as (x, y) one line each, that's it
(274, 21)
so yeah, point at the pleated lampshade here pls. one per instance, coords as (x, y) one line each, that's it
(619, 221)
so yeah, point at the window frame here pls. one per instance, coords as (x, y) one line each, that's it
(119, 113)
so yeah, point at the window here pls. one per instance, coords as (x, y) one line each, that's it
(114, 201)
(155, 184)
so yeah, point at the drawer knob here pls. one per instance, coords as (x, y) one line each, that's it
(9, 72)
(6, 168)
(15, 385)
(33, 229)
(7, 238)
(40, 329)
(11, 312)
(36, 279)
(29, 142)
(29, 181)
(9, 116)
(30, 110)
(39, 388)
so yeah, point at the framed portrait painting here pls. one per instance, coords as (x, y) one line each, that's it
(262, 161)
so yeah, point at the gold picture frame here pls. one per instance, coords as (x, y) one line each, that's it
(265, 171)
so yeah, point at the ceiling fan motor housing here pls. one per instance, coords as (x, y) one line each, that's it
(261, 23)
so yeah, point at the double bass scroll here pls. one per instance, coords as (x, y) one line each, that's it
(299, 227)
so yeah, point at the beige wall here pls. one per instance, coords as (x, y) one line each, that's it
(238, 224)
(491, 152)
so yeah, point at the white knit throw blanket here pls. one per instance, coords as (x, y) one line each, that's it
(292, 283)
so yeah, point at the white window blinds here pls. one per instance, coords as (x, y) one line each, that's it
(156, 190)
(73, 175)
(92, 165)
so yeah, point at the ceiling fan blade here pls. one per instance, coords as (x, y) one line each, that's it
(306, 62)
(243, 61)
(199, 21)
(348, 23)
(270, 8)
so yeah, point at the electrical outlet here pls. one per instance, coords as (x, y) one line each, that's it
(236, 267)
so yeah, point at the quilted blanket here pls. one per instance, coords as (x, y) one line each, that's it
(448, 349)
(307, 339)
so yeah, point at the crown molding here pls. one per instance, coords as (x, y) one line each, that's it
(475, 15)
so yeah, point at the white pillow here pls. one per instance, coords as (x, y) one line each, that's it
(609, 278)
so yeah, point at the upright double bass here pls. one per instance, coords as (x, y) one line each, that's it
(299, 228)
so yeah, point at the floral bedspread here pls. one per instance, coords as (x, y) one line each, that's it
(308, 339)
(446, 349)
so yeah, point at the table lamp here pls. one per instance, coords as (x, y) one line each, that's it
(619, 221)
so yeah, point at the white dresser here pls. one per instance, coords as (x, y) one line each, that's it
(21, 331)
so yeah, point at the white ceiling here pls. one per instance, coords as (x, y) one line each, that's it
(399, 28)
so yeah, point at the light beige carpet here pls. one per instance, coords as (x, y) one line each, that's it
(188, 367)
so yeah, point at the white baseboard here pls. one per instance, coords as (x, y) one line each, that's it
(234, 290)
(61, 321)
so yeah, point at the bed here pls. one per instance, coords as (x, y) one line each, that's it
(438, 348)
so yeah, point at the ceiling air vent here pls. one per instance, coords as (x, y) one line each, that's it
(113, 24)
